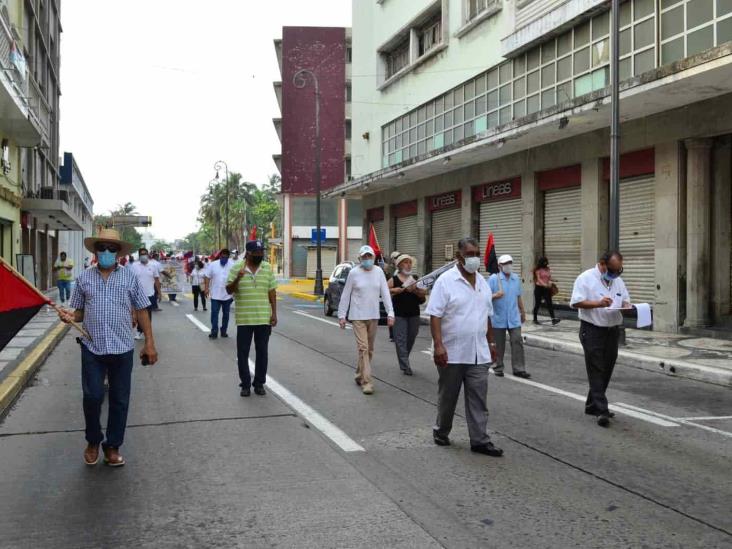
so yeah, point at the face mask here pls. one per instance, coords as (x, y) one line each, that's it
(507, 269)
(257, 259)
(472, 264)
(144, 259)
(367, 264)
(607, 276)
(407, 272)
(106, 259)
(224, 260)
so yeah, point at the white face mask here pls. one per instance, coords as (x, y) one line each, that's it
(507, 269)
(406, 272)
(472, 264)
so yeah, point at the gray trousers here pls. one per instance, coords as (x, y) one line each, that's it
(475, 379)
(406, 329)
(517, 349)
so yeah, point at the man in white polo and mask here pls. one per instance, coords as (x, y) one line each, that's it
(508, 316)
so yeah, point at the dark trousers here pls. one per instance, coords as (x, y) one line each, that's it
(149, 310)
(118, 369)
(406, 329)
(216, 306)
(452, 378)
(196, 293)
(153, 302)
(601, 351)
(244, 335)
(542, 293)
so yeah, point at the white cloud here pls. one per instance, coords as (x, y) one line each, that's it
(156, 91)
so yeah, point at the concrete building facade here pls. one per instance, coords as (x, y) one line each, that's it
(82, 206)
(327, 53)
(478, 117)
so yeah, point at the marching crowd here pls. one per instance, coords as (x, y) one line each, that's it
(472, 319)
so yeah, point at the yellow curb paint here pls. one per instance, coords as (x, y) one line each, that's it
(16, 381)
(308, 297)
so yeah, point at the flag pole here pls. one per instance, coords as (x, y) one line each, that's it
(45, 298)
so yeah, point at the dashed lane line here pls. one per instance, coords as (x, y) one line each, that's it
(317, 420)
(682, 421)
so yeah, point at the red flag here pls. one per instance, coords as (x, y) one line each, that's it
(490, 259)
(374, 242)
(19, 302)
(253, 233)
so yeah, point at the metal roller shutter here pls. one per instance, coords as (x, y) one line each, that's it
(446, 230)
(406, 235)
(562, 238)
(327, 261)
(380, 236)
(638, 239)
(353, 247)
(503, 219)
(299, 258)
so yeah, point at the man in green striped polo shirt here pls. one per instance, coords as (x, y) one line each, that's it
(253, 286)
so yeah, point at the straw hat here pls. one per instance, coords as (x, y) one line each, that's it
(404, 257)
(108, 235)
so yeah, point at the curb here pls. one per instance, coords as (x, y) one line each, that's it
(12, 386)
(669, 367)
(303, 295)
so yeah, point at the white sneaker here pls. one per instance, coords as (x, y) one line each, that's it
(138, 335)
(368, 389)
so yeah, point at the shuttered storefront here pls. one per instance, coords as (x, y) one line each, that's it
(299, 257)
(638, 238)
(562, 237)
(406, 235)
(353, 247)
(375, 217)
(500, 214)
(328, 257)
(379, 228)
(446, 226)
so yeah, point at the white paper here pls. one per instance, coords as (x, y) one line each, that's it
(644, 314)
(617, 302)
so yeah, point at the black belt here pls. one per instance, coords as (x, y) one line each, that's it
(586, 324)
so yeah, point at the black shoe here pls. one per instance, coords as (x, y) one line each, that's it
(258, 389)
(604, 420)
(408, 372)
(245, 392)
(498, 374)
(591, 412)
(224, 335)
(205, 309)
(487, 449)
(440, 440)
(212, 336)
(536, 322)
(522, 375)
(555, 321)
(195, 308)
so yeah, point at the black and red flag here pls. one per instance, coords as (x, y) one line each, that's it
(19, 302)
(490, 258)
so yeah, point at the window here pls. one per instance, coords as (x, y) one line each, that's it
(348, 167)
(688, 27)
(348, 93)
(348, 129)
(430, 35)
(349, 54)
(475, 8)
(397, 59)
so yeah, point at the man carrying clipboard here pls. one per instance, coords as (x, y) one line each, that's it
(601, 296)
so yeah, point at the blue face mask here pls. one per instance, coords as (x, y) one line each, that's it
(367, 264)
(106, 259)
(223, 260)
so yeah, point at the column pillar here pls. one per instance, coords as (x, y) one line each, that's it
(698, 232)
(721, 226)
(423, 234)
(342, 230)
(466, 213)
(532, 235)
(594, 204)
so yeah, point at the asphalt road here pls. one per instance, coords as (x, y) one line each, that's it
(207, 468)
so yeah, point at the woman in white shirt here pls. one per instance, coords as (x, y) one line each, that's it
(196, 277)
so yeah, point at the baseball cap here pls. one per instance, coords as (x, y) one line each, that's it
(366, 250)
(505, 259)
(255, 246)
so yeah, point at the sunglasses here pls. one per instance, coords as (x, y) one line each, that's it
(106, 248)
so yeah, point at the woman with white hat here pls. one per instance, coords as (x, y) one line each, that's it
(406, 298)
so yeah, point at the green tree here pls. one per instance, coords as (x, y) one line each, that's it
(128, 234)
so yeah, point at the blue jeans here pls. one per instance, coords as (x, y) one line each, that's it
(216, 306)
(244, 336)
(118, 369)
(64, 290)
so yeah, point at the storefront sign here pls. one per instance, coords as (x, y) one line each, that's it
(445, 201)
(404, 209)
(498, 190)
(375, 214)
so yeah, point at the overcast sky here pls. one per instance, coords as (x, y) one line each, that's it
(154, 92)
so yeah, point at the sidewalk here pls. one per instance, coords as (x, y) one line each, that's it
(699, 358)
(301, 288)
(26, 352)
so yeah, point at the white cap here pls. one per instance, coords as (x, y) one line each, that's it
(505, 259)
(366, 250)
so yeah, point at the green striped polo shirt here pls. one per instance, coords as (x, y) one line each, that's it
(251, 299)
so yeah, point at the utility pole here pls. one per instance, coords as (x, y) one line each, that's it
(614, 220)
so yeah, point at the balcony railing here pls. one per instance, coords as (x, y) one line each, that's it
(13, 64)
(48, 193)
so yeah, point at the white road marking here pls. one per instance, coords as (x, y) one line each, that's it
(341, 439)
(175, 304)
(302, 313)
(684, 422)
(707, 418)
(198, 323)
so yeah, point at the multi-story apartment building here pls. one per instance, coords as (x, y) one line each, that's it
(82, 206)
(34, 207)
(489, 116)
(326, 52)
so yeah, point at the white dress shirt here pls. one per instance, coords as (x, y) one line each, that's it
(146, 273)
(464, 311)
(360, 297)
(197, 276)
(591, 286)
(217, 275)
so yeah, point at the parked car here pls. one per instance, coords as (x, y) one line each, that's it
(332, 297)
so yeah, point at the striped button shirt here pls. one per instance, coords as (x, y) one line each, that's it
(107, 307)
(251, 299)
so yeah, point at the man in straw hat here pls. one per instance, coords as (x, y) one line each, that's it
(103, 298)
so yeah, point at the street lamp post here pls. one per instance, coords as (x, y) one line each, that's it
(217, 167)
(614, 218)
(299, 80)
